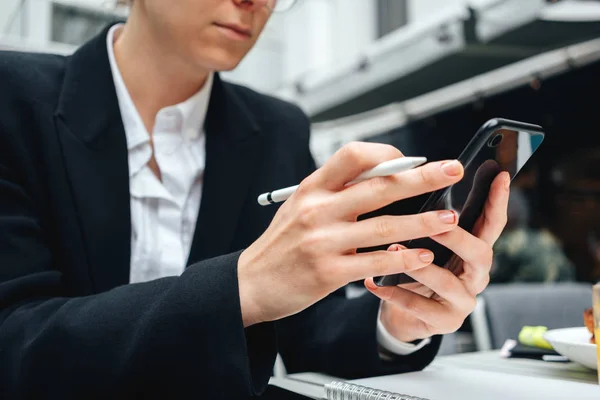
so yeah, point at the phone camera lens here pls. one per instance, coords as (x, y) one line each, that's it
(496, 140)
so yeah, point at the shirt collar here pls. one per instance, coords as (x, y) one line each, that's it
(192, 111)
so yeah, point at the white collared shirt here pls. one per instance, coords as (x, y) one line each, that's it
(164, 213)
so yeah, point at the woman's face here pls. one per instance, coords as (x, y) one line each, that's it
(209, 34)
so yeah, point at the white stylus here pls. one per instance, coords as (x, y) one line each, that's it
(386, 168)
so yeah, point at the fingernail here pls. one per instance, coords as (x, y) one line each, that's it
(426, 256)
(507, 181)
(451, 168)
(394, 247)
(371, 285)
(447, 217)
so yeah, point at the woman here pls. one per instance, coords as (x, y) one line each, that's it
(134, 258)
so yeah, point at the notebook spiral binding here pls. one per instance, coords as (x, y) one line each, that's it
(347, 391)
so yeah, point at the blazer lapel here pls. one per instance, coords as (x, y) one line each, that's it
(233, 150)
(88, 121)
(91, 131)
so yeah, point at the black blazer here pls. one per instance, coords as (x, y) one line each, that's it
(70, 324)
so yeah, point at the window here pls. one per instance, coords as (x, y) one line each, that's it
(76, 25)
(391, 15)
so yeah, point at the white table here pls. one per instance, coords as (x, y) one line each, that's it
(492, 361)
(489, 364)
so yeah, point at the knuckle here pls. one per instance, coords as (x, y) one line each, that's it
(311, 213)
(356, 152)
(308, 217)
(458, 319)
(455, 325)
(428, 177)
(381, 263)
(426, 222)
(485, 281)
(389, 150)
(378, 185)
(454, 321)
(378, 264)
(472, 303)
(353, 152)
(408, 260)
(305, 186)
(487, 256)
(448, 285)
(397, 153)
(461, 313)
(467, 306)
(412, 304)
(384, 228)
(322, 205)
(314, 243)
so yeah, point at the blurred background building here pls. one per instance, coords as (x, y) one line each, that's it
(316, 34)
(423, 75)
(303, 46)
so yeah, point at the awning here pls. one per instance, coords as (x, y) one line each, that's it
(328, 136)
(459, 44)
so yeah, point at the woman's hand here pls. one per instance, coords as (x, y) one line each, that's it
(309, 249)
(439, 301)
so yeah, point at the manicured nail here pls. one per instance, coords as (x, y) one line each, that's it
(426, 256)
(371, 285)
(451, 168)
(507, 181)
(447, 217)
(394, 247)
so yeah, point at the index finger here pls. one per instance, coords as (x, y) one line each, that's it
(350, 161)
(373, 194)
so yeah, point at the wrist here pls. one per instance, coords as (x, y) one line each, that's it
(395, 331)
(391, 346)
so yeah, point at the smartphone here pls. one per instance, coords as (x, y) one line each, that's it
(499, 145)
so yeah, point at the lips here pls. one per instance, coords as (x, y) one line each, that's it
(239, 29)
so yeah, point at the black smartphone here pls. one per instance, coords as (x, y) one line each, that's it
(499, 145)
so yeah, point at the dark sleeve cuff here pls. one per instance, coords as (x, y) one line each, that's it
(338, 337)
(160, 339)
(261, 349)
(367, 306)
(257, 348)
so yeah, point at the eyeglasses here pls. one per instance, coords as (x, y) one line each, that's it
(280, 5)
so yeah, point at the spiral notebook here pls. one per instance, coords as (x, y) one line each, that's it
(449, 382)
(348, 391)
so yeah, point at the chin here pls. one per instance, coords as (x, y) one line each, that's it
(227, 66)
(221, 60)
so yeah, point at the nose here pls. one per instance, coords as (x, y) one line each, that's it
(252, 5)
